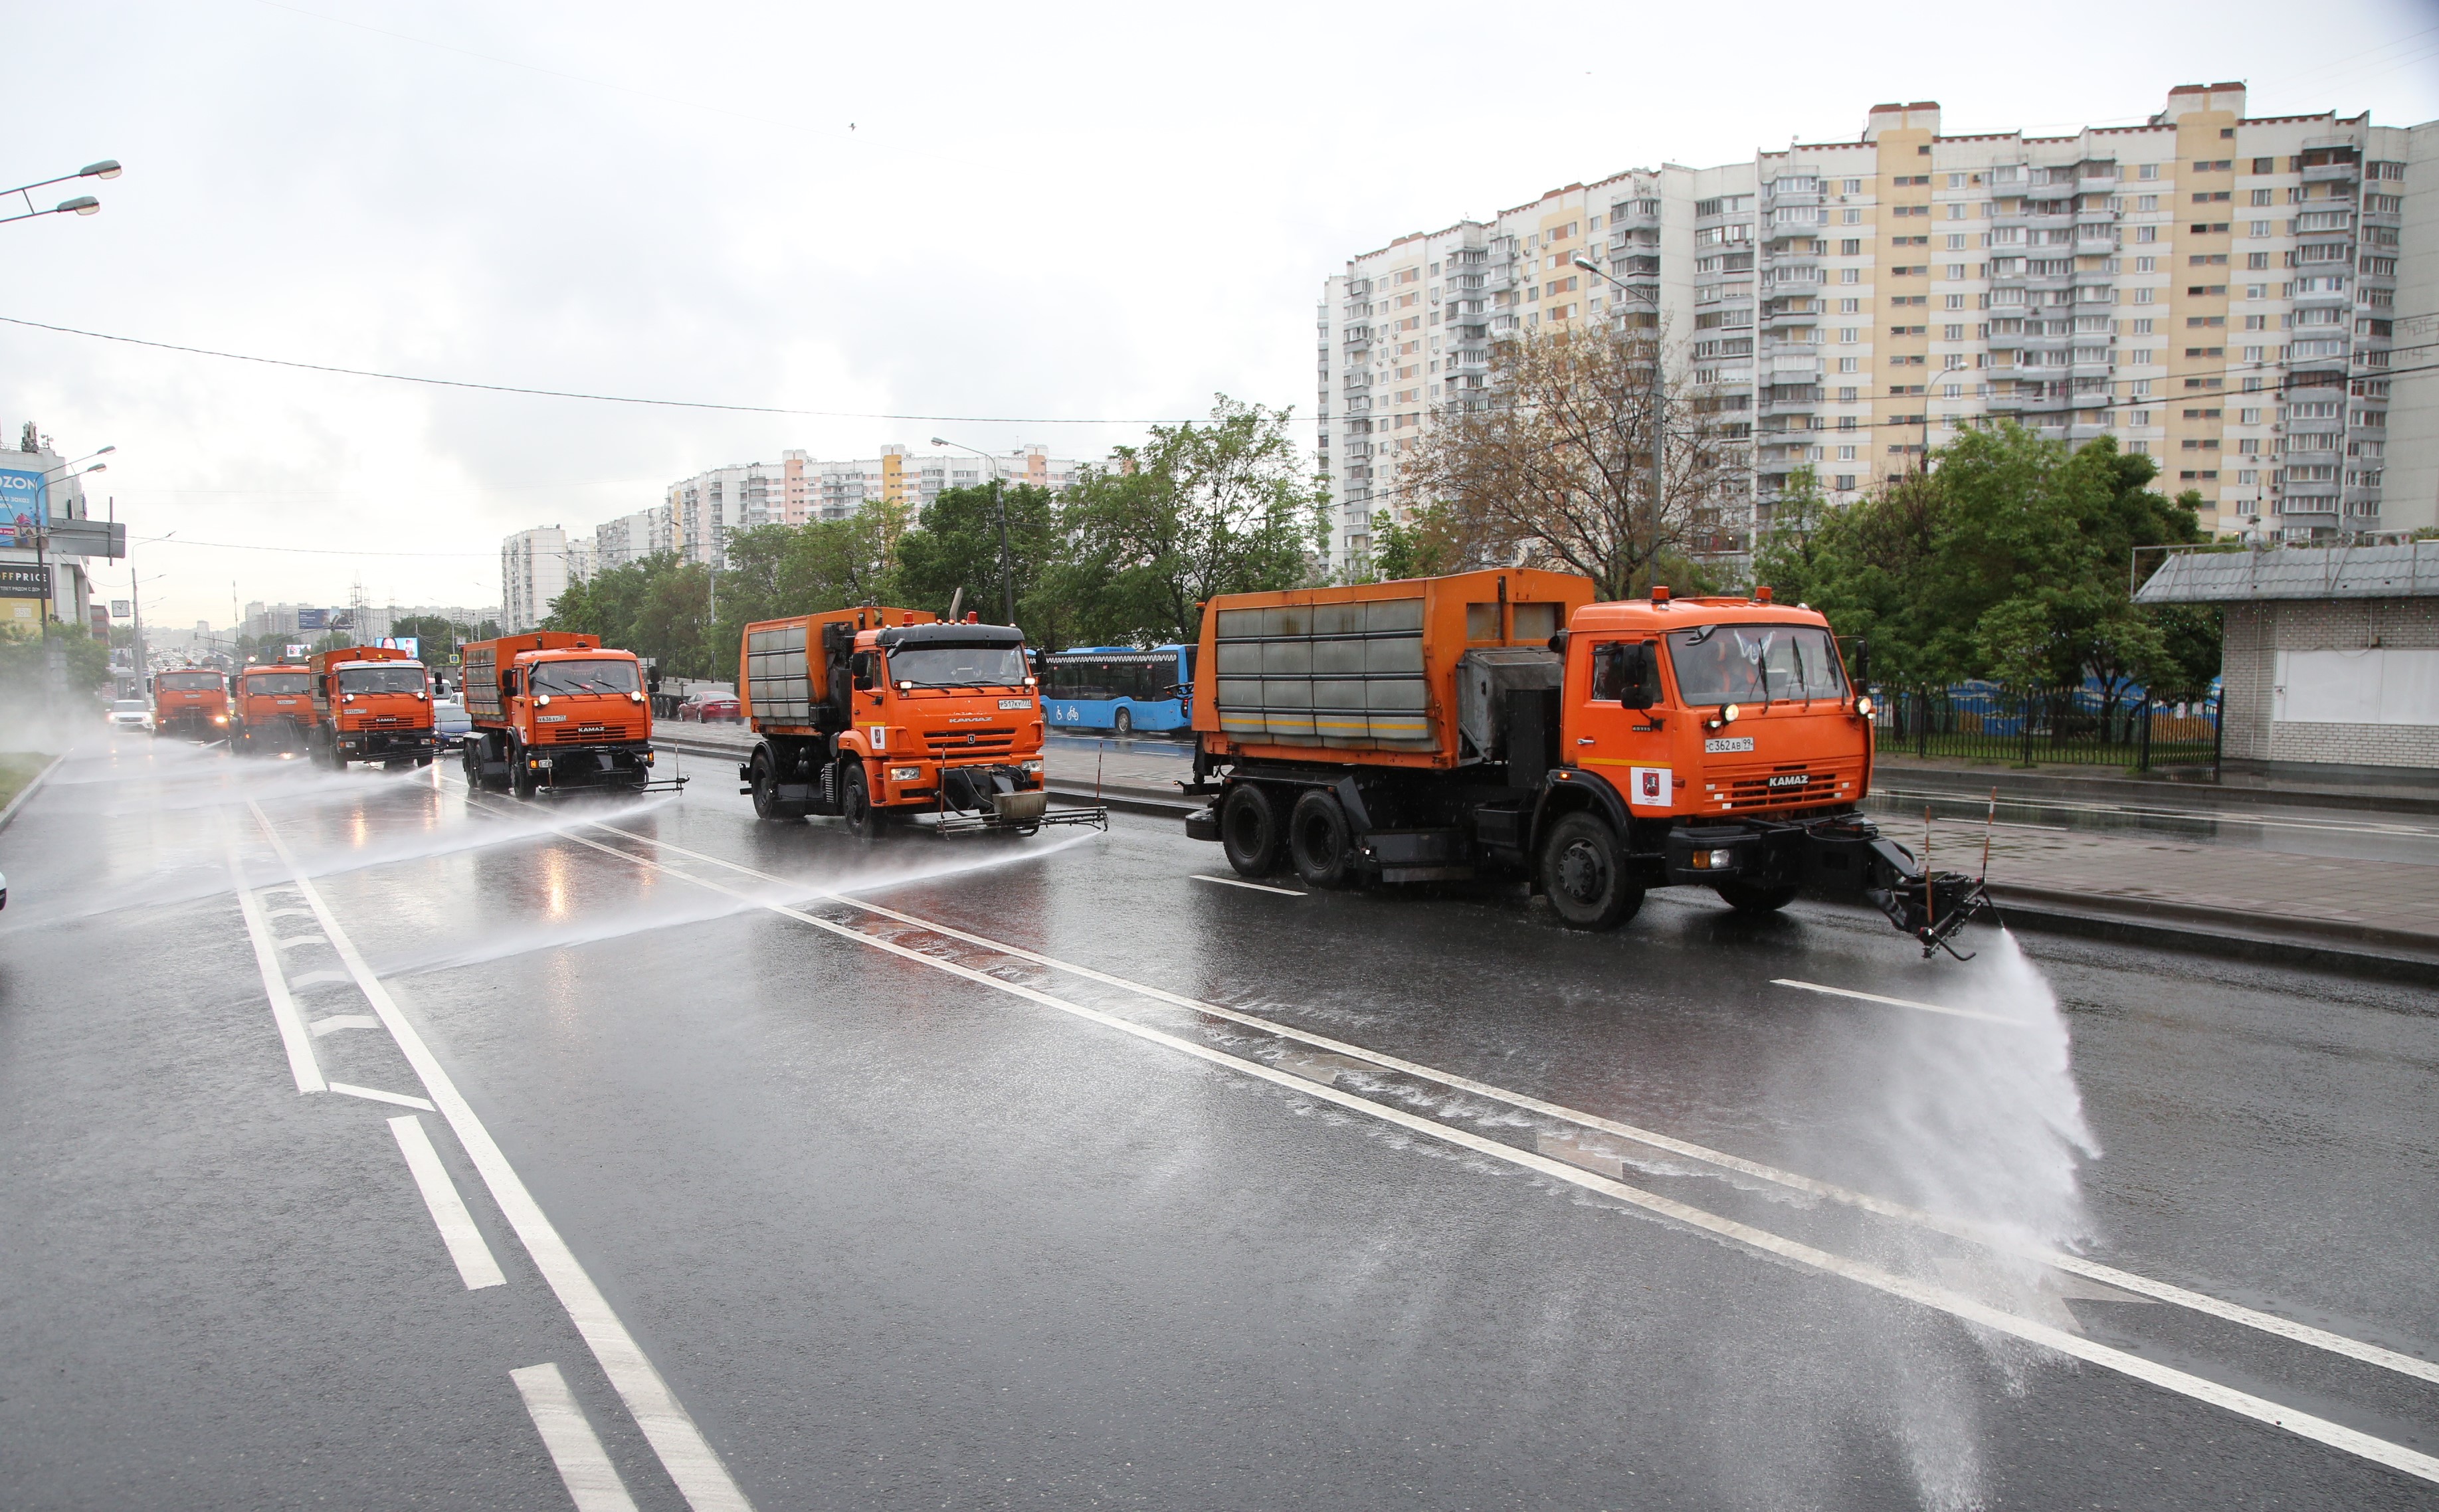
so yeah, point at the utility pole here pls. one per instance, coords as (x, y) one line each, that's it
(136, 606)
(1659, 403)
(999, 508)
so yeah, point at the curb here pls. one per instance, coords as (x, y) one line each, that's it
(1890, 779)
(2218, 944)
(28, 790)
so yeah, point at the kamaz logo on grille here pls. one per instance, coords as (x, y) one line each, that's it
(1791, 779)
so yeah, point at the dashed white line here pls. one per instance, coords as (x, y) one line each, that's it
(592, 1481)
(687, 1456)
(300, 1045)
(332, 1023)
(475, 1266)
(1239, 881)
(1901, 1003)
(2244, 1404)
(376, 1094)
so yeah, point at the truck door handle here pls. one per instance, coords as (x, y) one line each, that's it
(1587, 739)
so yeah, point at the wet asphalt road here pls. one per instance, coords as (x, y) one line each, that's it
(901, 1216)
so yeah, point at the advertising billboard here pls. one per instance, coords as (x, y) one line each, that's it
(25, 508)
(412, 645)
(313, 619)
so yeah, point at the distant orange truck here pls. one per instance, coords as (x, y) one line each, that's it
(371, 703)
(273, 708)
(555, 710)
(191, 702)
(1501, 722)
(878, 714)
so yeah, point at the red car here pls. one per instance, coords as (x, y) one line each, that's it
(716, 709)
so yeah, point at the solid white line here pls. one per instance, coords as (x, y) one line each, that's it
(401, 1099)
(592, 1481)
(1901, 1003)
(2303, 1425)
(300, 1045)
(1239, 881)
(332, 1023)
(684, 1451)
(475, 1266)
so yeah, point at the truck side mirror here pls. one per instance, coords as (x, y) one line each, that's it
(860, 671)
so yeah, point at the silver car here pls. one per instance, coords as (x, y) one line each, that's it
(128, 714)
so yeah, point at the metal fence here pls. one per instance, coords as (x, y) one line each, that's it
(2081, 726)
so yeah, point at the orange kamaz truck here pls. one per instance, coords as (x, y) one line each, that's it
(273, 709)
(556, 711)
(1501, 722)
(879, 714)
(371, 703)
(192, 702)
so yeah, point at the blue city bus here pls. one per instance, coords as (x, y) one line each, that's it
(1119, 688)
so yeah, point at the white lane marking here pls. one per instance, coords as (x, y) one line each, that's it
(294, 940)
(376, 1094)
(2244, 1404)
(290, 913)
(475, 1266)
(1901, 1003)
(336, 1021)
(1239, 881)
(2268, 1323)
(684, 1451)
(318, 978)
(300, 1045)
(592, 1481)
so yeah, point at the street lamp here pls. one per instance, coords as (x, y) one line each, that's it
(83, 205)
(43, 524)
(1659, 389)
(999, 507)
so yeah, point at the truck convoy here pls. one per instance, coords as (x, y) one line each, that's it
(1501, 721)
(273, 709)
(371, 703)
(553, 710)
(880, 714)
(192, 702)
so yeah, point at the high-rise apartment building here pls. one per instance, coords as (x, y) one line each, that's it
(2218, 292)
(533, 572)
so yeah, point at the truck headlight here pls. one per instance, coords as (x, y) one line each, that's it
(220, 719)
(1863, 707)
(906, 773)
(1728, 714)
(1033, 769)
(1714, 860)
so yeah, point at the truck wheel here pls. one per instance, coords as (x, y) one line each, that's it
(472, 765)
(766, 786)
(1249, 831)
(1745, 898)
(855, 801)
(1585, 876)
(1318, 841)
(521, 777)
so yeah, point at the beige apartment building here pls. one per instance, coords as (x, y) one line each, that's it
(2220, 292)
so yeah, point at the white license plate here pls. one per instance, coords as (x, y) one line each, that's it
(1739, 742)
(550, 719)
(1016, 704)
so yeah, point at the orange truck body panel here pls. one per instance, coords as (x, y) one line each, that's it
(905, 741)
(1364, 675)
(368, 726)
(196, 711)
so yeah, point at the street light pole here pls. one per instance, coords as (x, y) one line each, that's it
(43, 524)
(999, 508)
(1658, 399)
(81, 205)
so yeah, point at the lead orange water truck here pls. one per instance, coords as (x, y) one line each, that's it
(1503, 724)
(271, 709)
(192, 703)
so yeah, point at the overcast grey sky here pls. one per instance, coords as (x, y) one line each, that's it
(1047, 213)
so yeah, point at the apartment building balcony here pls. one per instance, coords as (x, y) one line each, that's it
(2095, 241)
(1642, 265)
(1774, 198)
(1781, 399)
(2323, 298)
(2347, 171)
(1802, 366)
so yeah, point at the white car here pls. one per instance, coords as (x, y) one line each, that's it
(130, 713)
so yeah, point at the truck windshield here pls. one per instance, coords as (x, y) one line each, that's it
(958, 666)
(279, 683)
(397, 677)
(1755, 663)
(603, 676)
(189, 682)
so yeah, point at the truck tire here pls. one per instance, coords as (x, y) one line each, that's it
(766, 786)
(1584, 874)
(855, 801)
(1318, 841)
(1746, 898)
(521, 777)
(1249, 831)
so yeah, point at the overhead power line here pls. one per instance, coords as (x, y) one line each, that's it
(560, 392)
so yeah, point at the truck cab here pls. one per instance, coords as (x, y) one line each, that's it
(192, 702)
(371, 703)
(558, 710)
(273, 709)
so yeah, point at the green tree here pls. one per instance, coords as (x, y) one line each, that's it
(25, 661)
(1788, 554)
(1199, 511)
(1423, 546)
(955, 545)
